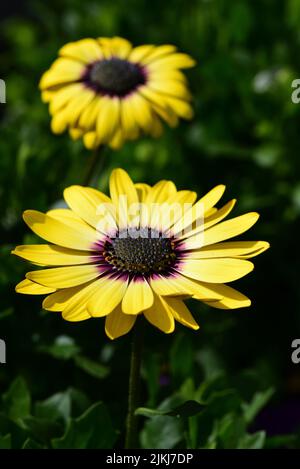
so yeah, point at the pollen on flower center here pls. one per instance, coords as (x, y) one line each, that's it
(143, 251)
(115, 76)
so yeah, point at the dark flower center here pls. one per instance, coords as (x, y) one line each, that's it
(143, 251)
(115, 76)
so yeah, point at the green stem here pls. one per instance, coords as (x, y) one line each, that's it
(134, 385)
(95, 166)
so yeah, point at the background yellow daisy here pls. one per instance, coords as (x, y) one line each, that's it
(107, 91)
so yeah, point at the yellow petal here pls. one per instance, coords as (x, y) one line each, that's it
(64, 277)
(108, 297)
(181, 107)
(158, 52)
(200, 208)
(153, 96)
(177, 60)
(52, 255)
(108, 119)
(232, 299)
(60, 121)
(178, 285)
(74, 235)
(152, 214)
(210, 199)
(50, 79)
(142, 191)
(216, 270)
(62, 97)
(62, 71)
(90, 140)
(239, 249)
(161, 192)
(117, 323)
(117, 140)
(129, 124)
(207, 222)
(175, 207)
(181, 313)
(211, 211)
(123, 195)
(222, 231)
(88, 118)
(69, 115)
(219, 215)
(75, 133)
(167, 74)
(65, 215)
(86, 50)
(166, 113)
(77, 314)
(141, 110)
(77, 105)
(139, 53)
(76, 307)
(183, 197)
(160, 316)
(92, 205)
(59, 300)
(27, 287)
(138, 297)
(170, 87)
(120, 47)
(48, 95)
(157, 127)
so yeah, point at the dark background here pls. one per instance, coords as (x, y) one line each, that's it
(245, 134)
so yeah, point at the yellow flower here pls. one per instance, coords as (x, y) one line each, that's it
(107, 260)
(106, 91)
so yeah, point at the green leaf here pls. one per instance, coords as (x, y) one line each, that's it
(64, 348)
(259, 400)
(80, 402)
(218, 405)
(5, 442)
(92, 430)
(16, 401)
(161, 432)
(15, 429)
(55, 407)
(31, 444)
(97, 370)
(252, 441)
(222, 402)
(42, 429)
(187, 409)
(229, 430)
(215, 384)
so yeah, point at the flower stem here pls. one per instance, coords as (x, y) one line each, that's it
(134, 385)
(95, 166)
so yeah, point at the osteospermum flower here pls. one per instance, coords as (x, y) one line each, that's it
(115, 264)
(106, 91)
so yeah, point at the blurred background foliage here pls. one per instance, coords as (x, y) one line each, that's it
(232, 382)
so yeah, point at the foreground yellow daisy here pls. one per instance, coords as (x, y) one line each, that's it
(106, 91)
(109, 260)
